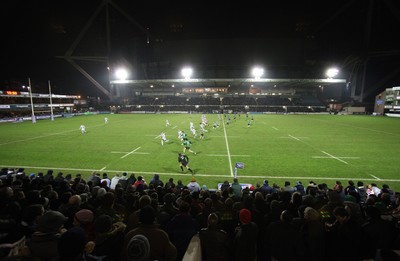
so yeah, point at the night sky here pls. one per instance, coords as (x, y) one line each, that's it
(35, 33)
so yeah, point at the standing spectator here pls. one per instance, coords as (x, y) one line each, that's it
(245, 241)
(114, 181)
(161, 248)
(215, 243)
(266, 189)
(139, 181)
(74, 245)
(105, 179)
(288, 188)
(237, 188)
(109, 237)
(156, 181)
(43, 243)
(284, 241)
(123, 181)
(131, 180)
(300, 188)
(181, 228)
(362, 191)
(170, 183)
(193, 185)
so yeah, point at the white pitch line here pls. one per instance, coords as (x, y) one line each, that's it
(130, 152)
(326, 157)
(227, 149)
(275, 128)
(336, 158)
(199, 174)
(374, 177)
(294, 137)
(120, 152)
(103, 169)
(224, 155)
(174, 127)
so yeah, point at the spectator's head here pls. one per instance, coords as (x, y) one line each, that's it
(84, 216)
(103, 224)
(51, 222)
(71, 245)
(147, 215)
(245, 216)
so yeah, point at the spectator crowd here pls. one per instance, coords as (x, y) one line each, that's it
(51, 217)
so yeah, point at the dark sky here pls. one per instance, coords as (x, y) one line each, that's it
(35, 33)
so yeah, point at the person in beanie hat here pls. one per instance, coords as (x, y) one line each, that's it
(245, 241)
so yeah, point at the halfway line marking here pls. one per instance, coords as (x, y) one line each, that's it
(227, 149)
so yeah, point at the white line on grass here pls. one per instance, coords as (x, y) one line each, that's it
(294, 137)
(174, 127)
(203, 175)
(227, 149)
(327, 157)
(375, 177)
(130, 152)
(333, 157)
(224, 155)
(275, 128)
(224, 136)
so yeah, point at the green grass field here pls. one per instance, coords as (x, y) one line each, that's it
(322, 148)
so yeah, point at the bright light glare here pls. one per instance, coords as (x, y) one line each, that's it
(187, 72)
(258, 72)
(332, 72)
(121, 74)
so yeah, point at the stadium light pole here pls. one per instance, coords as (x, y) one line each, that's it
(51, 103)
(30, 95)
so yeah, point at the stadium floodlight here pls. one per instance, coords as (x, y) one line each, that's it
(187, 72)
(121, 74)
(257, 72)
(332, 72)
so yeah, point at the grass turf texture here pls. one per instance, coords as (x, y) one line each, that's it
(322, 148)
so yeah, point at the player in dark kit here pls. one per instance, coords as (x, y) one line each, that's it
(184, 162)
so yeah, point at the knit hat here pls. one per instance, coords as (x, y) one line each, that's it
(51, 221)
(193, 179)
(84, 216)
(138, 248)
(245, 216)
